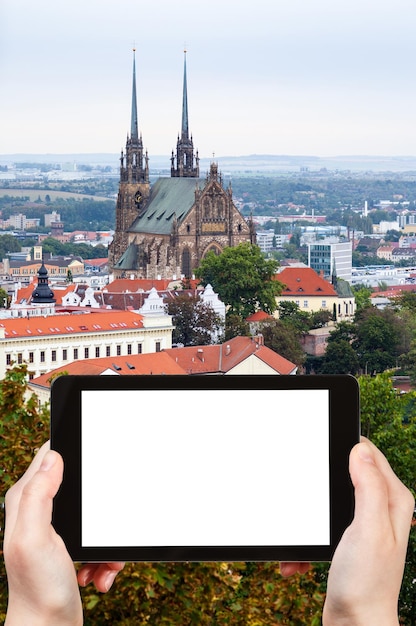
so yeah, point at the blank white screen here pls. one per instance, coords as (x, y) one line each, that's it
(194, 468)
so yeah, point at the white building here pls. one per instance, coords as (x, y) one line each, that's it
(45, 343)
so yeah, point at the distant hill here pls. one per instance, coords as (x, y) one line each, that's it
(236, 164)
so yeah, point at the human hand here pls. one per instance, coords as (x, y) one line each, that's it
(43, 587)
(367, 568)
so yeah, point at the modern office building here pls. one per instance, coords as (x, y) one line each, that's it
(331, 259)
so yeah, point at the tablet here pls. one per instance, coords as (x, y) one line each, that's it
(204, 468)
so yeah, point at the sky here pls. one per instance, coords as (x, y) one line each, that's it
(296, 77)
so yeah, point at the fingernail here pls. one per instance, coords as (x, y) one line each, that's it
(48, 461)
(365, 453)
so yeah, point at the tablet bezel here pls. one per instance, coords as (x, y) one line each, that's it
(344, 432)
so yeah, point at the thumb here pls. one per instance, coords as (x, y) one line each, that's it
(35, 506)
(371, 491)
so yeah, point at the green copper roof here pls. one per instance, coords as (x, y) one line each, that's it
(169, 197)
(185, 129)
(134, 131)
(128, 260)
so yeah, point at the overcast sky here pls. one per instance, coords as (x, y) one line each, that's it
(301, 77)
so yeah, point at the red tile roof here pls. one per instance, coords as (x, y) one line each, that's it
(134, 364)
(259, 316)
(223, 358)
(122, 285)
(71, 324)
(304, 281)
(218, 359)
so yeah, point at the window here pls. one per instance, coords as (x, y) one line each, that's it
(53, 355)
(129, 348)
(8, 359)
(305, 304)
(157, 346)
(118, 350)
(323, 304)
(20, 358)
(86, 353)
(42, 356)
(31, 357)
(64, 354)
(139, 348)
(108, 351)
(97, 352)
(75, 354)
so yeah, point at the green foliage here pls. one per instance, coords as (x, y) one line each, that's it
(378, 337)
(282, 337)
(339, 358)
(362, 297)
(8, 243)
(196, 323)
(4, 299)
(83, 250)
(24, 427)
(235, 326)
(242, 277)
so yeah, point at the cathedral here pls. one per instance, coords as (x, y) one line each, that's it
(163, 230)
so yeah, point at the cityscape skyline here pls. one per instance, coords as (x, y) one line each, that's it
(288, 78)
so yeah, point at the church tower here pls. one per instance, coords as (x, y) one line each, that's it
(134, 186)
(187, 165)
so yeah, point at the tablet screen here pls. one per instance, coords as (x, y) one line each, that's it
(229, 472)
(204, 468)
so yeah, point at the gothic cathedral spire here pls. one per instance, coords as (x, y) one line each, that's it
(185, 167)
(134, 165)
(134, 187)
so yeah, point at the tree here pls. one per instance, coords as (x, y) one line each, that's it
(235, 326)
(242, 277)
(339, 358)
(4, 299)
(196, 323)
(283, 338)
(362, 297)
(377, 340)
(8, 243)
(291, 313)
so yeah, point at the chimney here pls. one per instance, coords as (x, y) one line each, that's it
(227, 349)
(200, 354)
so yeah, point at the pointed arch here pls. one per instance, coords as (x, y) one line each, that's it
(212, 247)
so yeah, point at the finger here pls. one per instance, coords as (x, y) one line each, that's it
(35, 506)
(102, 574)
(290, 568)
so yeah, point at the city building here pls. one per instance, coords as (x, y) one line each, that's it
(45, 343)
(164, 230)
(312, 293)
(331, 259)
(241, 355)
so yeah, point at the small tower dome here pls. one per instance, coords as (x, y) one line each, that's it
(42, 294)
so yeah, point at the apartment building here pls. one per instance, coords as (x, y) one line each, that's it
(46, 343)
